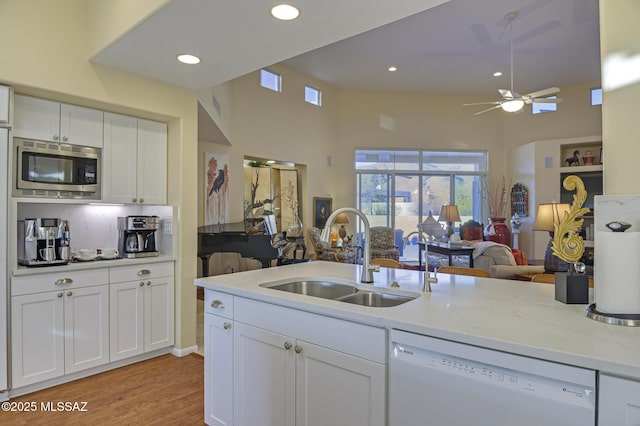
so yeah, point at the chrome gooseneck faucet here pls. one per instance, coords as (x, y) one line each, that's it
(367, 268)
(428, 278)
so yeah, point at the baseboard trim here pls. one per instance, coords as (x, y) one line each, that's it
(184, 352)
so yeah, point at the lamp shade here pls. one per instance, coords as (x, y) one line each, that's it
(449, 213)
(342, 218)
(548, 214)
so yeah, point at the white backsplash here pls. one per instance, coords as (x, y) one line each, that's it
(96, 226)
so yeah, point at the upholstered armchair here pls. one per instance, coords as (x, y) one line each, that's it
(323, 250)
(383, 243)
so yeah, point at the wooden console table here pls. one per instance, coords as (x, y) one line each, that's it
(447, 250)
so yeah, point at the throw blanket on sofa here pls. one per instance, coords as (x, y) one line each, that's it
(481, 246)
(487, 253)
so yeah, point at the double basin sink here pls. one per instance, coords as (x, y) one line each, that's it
(342, 292)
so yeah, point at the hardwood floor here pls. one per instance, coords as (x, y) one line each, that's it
(166, 390)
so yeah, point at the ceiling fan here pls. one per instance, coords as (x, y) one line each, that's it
(511, 100)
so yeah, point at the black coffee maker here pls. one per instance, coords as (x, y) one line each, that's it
(137, 236)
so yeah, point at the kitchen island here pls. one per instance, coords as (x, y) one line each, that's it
(509, 316)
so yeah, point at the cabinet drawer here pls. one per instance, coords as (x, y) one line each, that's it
(361, 340)
(218, 303)
(57, 281)
(140, 271)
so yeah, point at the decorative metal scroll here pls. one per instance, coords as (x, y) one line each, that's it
(567, 243)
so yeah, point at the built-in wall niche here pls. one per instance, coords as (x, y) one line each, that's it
(272, 188)
(96, 226)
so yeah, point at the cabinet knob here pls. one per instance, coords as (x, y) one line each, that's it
(226, 325)
(148, 282)
(141, 200)
(298, 349)
(65, 139)
(63, 281)
(141, 283)
(287, 345)
(56, 137)
(69, 293)
(135, 200)
(217, 304)
(59, 294)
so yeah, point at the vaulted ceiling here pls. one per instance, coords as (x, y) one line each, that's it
(452, 48)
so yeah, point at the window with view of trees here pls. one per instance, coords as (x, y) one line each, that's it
(399, 188)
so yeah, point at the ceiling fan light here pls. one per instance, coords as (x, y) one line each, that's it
(514, 105)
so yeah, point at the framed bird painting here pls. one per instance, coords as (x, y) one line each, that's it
(216, 169)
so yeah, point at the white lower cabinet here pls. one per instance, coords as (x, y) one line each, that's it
(141, 310)
(291, 367)
(618, 401)
(57, 332)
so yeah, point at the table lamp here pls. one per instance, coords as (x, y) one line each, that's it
(548, 215)
(449, 213)
(342, 218)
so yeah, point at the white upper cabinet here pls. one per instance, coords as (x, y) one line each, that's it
(119, 158)
(51, 121)
(134, 160)
(152, 162)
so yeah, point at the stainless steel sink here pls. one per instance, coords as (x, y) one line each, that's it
(323, 289)
(376, 299)
(341, 292)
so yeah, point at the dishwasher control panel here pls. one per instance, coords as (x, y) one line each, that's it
(543, 387)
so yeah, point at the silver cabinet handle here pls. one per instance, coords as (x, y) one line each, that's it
(143, 272)
(287, 345)
(62, 281)
(141, 283)
(298, 349)
(148, 282)
(226, 325)
(217, 304)
(69, 293)
(59, 294)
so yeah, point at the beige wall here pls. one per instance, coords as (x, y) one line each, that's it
(49, 58)
(620, 35)
(281, 126)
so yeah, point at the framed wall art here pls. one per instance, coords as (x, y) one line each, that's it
(321, 211)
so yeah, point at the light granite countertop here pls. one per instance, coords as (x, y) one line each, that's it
(512, 316)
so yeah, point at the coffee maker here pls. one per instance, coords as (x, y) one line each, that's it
(137, 236)
(42, 242)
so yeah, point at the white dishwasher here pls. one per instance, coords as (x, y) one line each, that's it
(443, 383)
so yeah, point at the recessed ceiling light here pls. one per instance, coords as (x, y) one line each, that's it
(497, 74)
(189, 59)
(271, 161)
(392, 69)
(285, 12)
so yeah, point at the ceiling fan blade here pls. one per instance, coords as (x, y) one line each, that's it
(482, 103)
(488, 109)
(542, 93)
(543, 100)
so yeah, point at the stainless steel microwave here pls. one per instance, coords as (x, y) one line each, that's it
(49, 169)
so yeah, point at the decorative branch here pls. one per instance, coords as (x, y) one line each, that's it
(567, 243)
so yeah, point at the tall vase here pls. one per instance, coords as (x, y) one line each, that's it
(497, 231)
